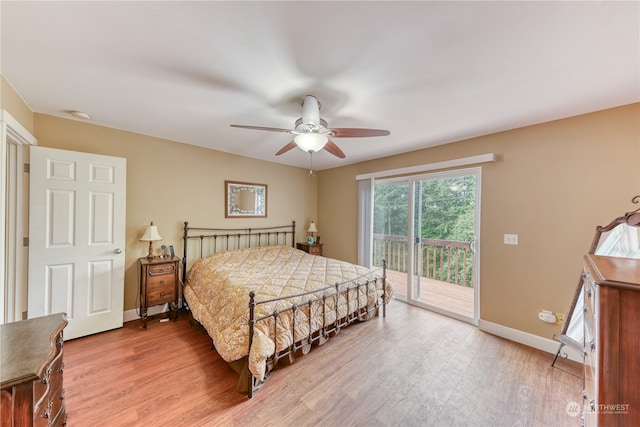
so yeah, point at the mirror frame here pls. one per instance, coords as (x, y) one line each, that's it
(231, 210)
(575, 313)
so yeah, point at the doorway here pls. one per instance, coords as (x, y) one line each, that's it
(427, 229)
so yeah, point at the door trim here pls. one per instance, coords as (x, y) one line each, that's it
(14, 213)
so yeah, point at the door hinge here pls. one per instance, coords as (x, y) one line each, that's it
(27, 167)
(25, 241)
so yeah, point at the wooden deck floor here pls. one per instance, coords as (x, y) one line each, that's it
(454, 298)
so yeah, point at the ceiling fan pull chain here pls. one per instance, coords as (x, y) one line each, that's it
(311, 164)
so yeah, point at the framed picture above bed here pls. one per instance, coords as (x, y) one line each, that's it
(245, 200)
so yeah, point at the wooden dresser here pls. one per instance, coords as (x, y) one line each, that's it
(32, 369)
(611, 341)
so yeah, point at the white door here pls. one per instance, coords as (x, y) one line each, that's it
(77, 239)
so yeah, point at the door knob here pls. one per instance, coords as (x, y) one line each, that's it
(117, 251)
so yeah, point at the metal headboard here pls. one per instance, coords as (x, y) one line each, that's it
(213, 240)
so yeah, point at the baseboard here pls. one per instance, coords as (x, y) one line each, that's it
(535, 341)
(130, 315)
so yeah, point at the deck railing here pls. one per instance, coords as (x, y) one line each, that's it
(444, 260)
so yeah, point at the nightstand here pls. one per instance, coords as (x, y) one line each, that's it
(159, 279)
(315, 249)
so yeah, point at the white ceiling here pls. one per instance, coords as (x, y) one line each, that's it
(430, 72)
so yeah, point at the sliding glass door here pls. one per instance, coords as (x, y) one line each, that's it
(437, 266)
(391, 230)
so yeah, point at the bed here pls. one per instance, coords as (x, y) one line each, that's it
(263, 302)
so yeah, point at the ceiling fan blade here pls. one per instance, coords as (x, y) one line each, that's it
(356, 132)
(334, 149)
(286, 148)
(261, 128)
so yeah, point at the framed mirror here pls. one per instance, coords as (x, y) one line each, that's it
(245, 200)
(619, 238)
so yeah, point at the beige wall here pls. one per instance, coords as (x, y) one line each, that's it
(11, 101)
(552, 185)
(169, 183)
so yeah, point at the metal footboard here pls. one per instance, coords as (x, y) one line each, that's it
(318, 298)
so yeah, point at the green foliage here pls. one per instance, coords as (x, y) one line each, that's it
(390, 209)
(444, 210)
(447, 208)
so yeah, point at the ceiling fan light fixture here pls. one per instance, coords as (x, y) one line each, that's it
(311, 142)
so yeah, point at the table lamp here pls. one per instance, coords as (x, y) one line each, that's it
(150, 235)
(312, 229)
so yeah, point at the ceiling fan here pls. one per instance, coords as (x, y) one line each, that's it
(312, 132)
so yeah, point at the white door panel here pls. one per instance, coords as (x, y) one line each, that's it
(77, 231)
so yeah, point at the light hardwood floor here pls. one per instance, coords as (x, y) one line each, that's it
(412, 368)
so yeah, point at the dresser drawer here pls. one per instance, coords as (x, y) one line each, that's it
(48, 393)
(161, 289)
(589, 291)
(52, 411)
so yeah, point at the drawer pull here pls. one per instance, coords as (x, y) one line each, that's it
(64, 390)
(592, 344)
(161, 294)
(47, 376)
(592, 405)
(61, 370)
(588, 293)
(47, 412)
(584, 394)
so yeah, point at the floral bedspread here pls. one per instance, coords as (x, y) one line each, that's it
(218, 286)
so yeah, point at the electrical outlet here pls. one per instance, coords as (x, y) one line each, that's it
(559, 318)
(547, 316)
(510, 239)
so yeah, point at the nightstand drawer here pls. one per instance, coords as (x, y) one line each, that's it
(314, 249)
(161, 289)
(157, 270)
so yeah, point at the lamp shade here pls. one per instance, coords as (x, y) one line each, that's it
(151, 234)
(312, 228)
(311, 142)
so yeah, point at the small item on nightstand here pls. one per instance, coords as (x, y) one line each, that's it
(317, 240)
(310, 240)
